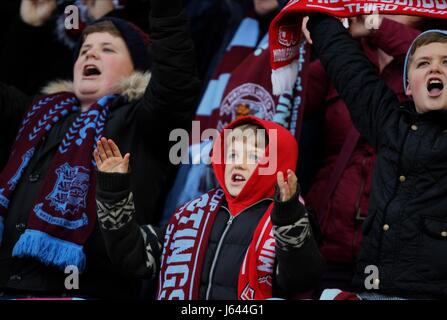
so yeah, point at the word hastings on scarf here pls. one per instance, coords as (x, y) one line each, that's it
(179, 266)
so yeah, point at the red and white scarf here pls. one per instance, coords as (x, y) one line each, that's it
(285, 29)
(184, 249)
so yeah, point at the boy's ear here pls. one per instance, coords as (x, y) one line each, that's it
(408, 91)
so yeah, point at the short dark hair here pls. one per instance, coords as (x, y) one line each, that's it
(426, 39)
(135, 39)
(103, 26)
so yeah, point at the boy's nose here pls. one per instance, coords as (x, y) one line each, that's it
(92, 53)
(240, 165)
(435, 67)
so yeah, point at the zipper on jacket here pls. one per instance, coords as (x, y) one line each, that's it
(213, 265)
(222, 238)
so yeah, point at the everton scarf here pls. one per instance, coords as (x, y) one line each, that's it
(285, 30)
(185, 244)
(63, 216)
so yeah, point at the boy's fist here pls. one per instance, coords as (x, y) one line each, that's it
(287, 188)
(109, 159)
(37, 12)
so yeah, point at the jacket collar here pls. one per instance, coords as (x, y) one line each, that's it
(132, 88)
(438, 116)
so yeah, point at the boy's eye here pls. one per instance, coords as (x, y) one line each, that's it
(83, 52)
(422, 64)
(108, 50)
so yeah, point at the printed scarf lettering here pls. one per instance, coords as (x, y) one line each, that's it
(185, 244)
(285, 29)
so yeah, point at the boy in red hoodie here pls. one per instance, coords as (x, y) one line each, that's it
(241, 241)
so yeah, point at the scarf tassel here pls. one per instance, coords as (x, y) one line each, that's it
(283, 79)
(49, 250)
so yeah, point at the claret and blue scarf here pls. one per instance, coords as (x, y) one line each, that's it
(64, 213)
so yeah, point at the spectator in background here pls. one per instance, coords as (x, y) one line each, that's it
(37, 48)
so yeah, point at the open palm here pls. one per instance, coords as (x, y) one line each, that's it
(287, 188)
(109, 159)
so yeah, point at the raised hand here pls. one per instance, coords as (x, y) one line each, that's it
(287, 188)
(37, 12)
(363, 26)
(109, 159)
(99, 8)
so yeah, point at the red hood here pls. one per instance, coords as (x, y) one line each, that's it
(258, 186)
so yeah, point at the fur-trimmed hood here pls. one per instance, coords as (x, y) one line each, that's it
(132, 87)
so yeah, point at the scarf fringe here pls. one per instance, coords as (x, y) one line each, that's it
(49, 250)
(283, 79)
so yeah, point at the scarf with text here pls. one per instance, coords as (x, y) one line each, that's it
(184, 249)
(64, 212)
(285, 29)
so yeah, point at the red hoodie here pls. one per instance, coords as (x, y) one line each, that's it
(283, 151)
(189, 229)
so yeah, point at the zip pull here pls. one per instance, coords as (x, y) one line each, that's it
(230, 221)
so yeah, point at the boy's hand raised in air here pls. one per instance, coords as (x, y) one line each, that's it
(287, 188)
(109, 159)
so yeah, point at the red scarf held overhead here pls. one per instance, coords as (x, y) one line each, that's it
(285, 29)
